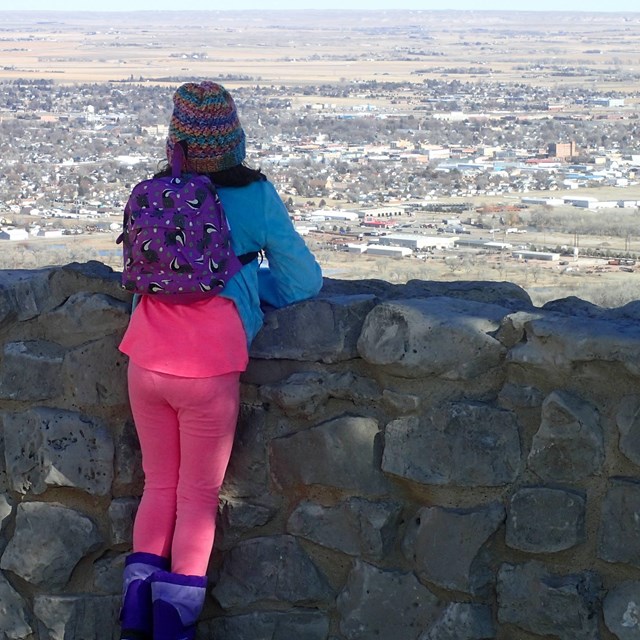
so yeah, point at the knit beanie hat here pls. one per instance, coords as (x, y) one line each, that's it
(205, 117)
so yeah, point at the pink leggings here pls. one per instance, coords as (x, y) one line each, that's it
(186, 428)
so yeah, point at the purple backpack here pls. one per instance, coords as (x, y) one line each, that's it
(176, 238)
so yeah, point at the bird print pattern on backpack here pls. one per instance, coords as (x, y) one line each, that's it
(176, 238)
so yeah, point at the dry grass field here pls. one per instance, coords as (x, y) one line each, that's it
(298, 49)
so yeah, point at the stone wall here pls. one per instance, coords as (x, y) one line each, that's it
(432, 461)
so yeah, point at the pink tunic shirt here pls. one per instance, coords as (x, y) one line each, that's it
(196, 340)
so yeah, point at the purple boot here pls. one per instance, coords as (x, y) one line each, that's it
(136, 615)
(177, 603)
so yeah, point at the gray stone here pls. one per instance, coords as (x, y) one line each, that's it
(128, 473)
(302, 394)
(6, 509)
(512, 327)
(237, 516)
(31, 370)
(76, 617)
(433, 337)
(545, 520)
(383, 604)
(84, 317)
(400, 403)
(569, 444)
(619, 535)
(49, 542)
(463, 621)
(354, 526)
(25, 294)
(460, 443)
(559, 343)
(95, 374)
(13, 613)
(270, 625)
(343, 451)
(445, 546)
(247, 473)
(270, 569)
(122, 512)
(628, 421)
(52, 447)
(565, 606)
(107, 574)
(505, 294)
(321, 329)
(622, 610)
(516, 396)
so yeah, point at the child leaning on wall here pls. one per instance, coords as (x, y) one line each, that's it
(185, 361)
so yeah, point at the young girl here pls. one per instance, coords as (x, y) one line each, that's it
(185, 362)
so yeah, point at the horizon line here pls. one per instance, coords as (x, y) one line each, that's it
(332, 10)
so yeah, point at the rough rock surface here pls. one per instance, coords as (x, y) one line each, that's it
(412, 462)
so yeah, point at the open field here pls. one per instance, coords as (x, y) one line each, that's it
(314, 47)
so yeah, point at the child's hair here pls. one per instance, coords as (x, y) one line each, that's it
(239, 176)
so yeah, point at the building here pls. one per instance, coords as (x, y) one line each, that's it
(536, 255)
(417, 242)
(14, 234)
(389, 252)
(562, 150)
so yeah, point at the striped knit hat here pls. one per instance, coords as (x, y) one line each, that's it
(205, 117)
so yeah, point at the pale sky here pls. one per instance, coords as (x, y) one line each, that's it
(145, 5)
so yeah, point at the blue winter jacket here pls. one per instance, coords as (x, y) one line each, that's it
(260, 221)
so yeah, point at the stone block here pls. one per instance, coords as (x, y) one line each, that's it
(322, 329)
(6, 509)
(569, 445)
(433, 337)
(559, 343)
(85, 317)
(128, 473)
(63, 617)
(354, 526)
(24, 294)
(628, 421)
(461, 443)
(107, 574)
(13, 612)
(565, 606)
(302, 394)
(446, 546)
(30, 371)
(463, 621)
(619, 534)
(48, 543)
(367, 610)
(400, 403)
(53, 447)
(343, 451)
(95, 373)
(545, 520)
(518, 396)
(622, 610)
(270, 625)
(237, 516)
(122, 512)
(247, 473)
(272, 569)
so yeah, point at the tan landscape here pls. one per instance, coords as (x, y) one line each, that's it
(298, 49)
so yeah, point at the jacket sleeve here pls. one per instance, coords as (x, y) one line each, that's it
(293, 274)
